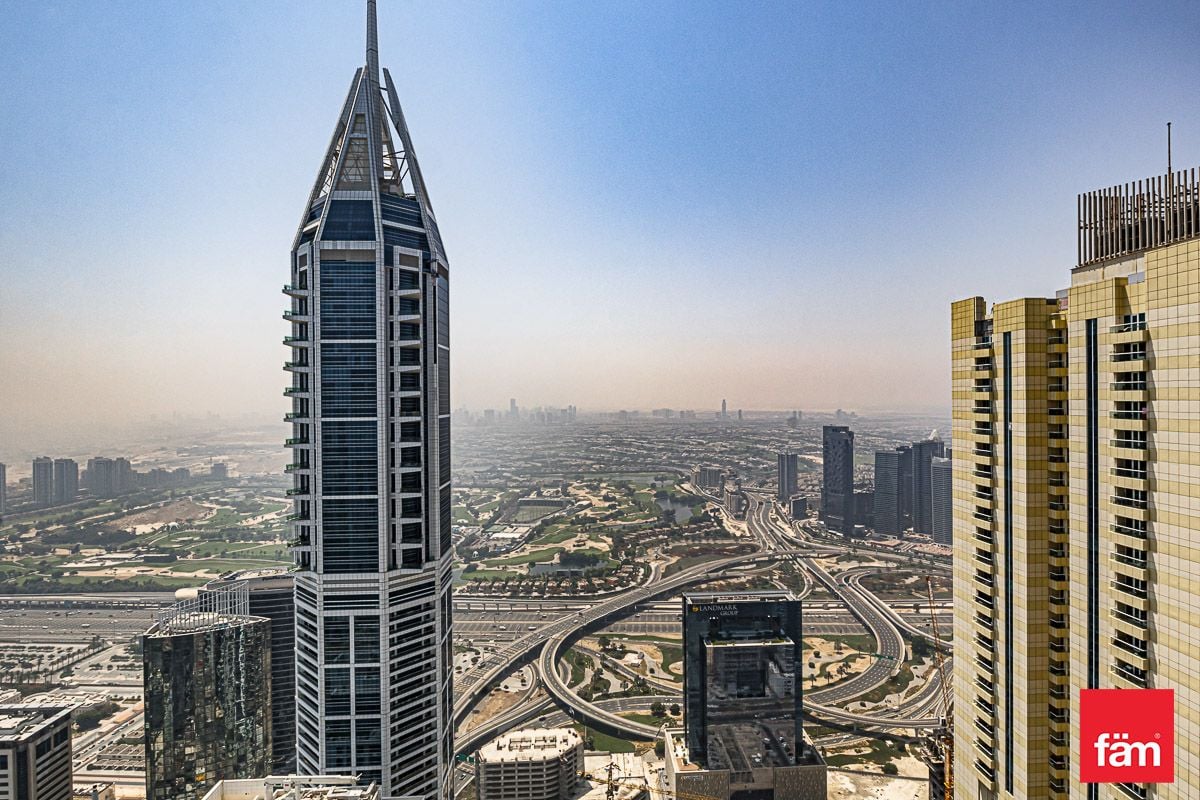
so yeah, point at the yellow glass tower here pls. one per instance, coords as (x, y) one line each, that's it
(1076, 499)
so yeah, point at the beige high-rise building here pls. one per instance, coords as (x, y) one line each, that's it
(1076, 499)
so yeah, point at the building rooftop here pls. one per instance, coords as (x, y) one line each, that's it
(760, 596)
(531, 744)
(294, 787)
(1129, 218)
(23, 721)
(224, 607)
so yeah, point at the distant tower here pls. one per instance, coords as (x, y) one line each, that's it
(923, 454)
(942, 482)
(837, 489)
(370, 339)
(66, 480)
(43, 481)
(788, 476)
(724, 410)
(3, 489)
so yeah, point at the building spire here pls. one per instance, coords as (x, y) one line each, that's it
(372, 44)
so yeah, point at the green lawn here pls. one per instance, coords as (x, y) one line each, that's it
(223, 564)
(546, 554)
(556, 534)
(646, 719)
(606, 743)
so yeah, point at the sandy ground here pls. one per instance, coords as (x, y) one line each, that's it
(845, 785)
(511, 692)
(178, 510)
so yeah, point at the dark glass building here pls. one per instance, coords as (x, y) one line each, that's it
(205, 667)
(837, 489)
(742, 697)
(942, 481)
(788, 476)
(893, 490)
(370, 388)
(271, 594)
(923, 454)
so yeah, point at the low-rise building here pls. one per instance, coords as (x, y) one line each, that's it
(35, 752)
(533, 764)
(102, 790)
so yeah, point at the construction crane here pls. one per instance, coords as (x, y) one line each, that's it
(615, 783)
(944, 736)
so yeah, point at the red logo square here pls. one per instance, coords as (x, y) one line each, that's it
(1127, 735)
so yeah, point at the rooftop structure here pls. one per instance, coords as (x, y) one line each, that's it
(294, 787)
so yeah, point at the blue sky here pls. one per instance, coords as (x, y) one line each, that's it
(645, 204)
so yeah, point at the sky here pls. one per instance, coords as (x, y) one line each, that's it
(644, 204)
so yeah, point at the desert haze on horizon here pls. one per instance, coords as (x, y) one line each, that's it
(650, 206)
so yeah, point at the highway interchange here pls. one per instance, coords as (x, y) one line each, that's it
(543, 632)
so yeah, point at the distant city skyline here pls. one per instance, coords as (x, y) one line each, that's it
(853, 182)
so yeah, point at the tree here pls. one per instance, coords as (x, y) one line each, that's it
(674, 709)
(660, 748)
(890, 769)
(658, 709)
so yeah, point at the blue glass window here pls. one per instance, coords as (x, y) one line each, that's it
(348, 379)
(400, 238)
(350, 535)
(337, 742)
(347, 300)
(366, 691)
(337, 691)
(400, 209)
(350, 220)
(349, 458)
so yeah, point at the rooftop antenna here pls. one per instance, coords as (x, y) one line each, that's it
(1169, 170)
(372, 43)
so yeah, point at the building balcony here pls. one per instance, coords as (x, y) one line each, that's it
(1129, 326)
(1137, 503)
(985, 727)
(296, 416)
(297, 366)
(1128, 473)
(298, 491)
(1138, 534)
(986, 536)
(1135, 622)
(1058, 602)
(297, 518)
(986, 707)
(1130, 560)
(983, 386)
(1128, 386)
(982, 410)
(297, 467)
(1129, 674)
(295, 291)
(296, 316)
(983, 366)
(297, 391)
(985, 621)
(982, 343)
(983, 516)
(296, 341)
(296, 441)
(1140, 597)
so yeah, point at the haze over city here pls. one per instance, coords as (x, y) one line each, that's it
(652, 204)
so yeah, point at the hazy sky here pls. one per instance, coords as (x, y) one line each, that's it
(644, 204)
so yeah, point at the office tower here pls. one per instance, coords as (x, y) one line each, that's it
(35, 752)
(864, 509)
(66, 480)
(101, 477)
(371, 464)
(43, 481)
(219, 471)
(942, 482)
(205, 672)
(3, 489)
(893, 487)
(788, 476)
(100, 790)
(724, 410)
(837, 489)
(542, 763)
(1074, 523)
(271, 595)
(923, 454)
(742, 733)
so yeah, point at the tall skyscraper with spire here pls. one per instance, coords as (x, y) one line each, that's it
(370, 390)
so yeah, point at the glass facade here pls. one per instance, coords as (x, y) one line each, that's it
(208, 712)
(742, 684)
